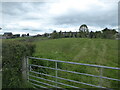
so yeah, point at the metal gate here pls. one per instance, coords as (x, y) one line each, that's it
(38, 78)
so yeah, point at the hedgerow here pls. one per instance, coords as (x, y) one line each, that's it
(12, 54)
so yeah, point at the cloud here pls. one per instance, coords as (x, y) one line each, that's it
(65, 15)
(91, 13)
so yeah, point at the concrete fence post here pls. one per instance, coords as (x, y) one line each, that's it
(27, 66)
(24, 69)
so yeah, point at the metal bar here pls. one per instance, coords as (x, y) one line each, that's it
(76, 72)
(56, 72)
(99, 66)
(38, 85)
(43, 83)
(69, 80)
(54, 81)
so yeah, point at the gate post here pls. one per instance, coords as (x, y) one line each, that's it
(24, 69)
(56, 72)
(27, 71)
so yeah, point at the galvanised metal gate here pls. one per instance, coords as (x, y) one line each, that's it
(56, 77)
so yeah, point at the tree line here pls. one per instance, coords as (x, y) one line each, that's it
(105, 33)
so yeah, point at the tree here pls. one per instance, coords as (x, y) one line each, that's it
(27, 34)
(91, 35)
(108, 33)
(46, 34)
(82, 34)
(54, 35)
(98, 34)
(84, 30)
(70, 34)
(104, 33)
(60, 34)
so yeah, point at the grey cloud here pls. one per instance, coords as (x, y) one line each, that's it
(94, 17)
(13, 8)
(36, 30)
(32, 18)
(16, 9)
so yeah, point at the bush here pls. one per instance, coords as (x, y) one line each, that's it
(12, 55)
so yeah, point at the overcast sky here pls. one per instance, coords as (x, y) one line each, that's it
(65, 15)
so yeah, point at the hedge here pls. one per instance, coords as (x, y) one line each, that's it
(12, 54)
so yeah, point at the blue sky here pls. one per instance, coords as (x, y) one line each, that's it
(65, 15)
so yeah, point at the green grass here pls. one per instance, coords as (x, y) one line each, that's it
(92, 51)
(81, 50)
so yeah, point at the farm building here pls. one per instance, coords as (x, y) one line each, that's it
(8, 34)
(69, 34)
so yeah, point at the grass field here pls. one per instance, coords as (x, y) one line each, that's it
(82, 50)
(92, 51)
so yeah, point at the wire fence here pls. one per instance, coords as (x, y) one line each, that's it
(37, 77)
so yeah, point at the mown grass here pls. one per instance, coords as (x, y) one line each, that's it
(82, 50)
(92, 51)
